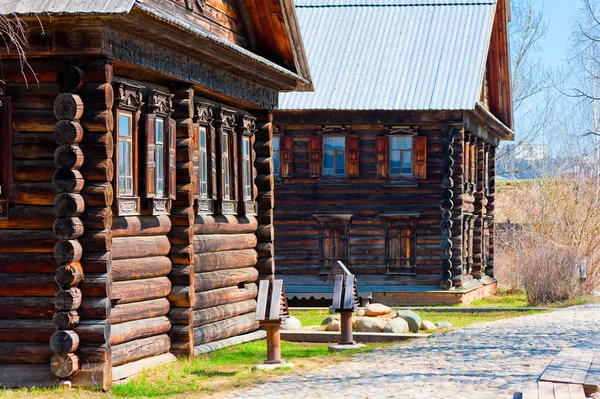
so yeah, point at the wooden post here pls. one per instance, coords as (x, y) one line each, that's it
(346, 328)
(273, 343)
(345, 302)
(271, 310)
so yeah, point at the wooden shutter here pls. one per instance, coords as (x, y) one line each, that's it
(286, 156)
(467, 163)
(315, 154)
(150, 156)
(172, 159)
(383, 151)
(473, 163)
(353, 155)
(233, 157)
(420, 157)
(212, 158)
(196, 161)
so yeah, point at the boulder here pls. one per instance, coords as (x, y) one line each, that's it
(443, 324)
(334, 326)
(292, 324)
(329, 319)
(413, 319)
(396, 326)
(428, 325)
(360, 312)
(370, 324)
(377, 309)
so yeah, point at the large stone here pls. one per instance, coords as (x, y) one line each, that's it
(396, 326)
(377, 309)
(291, 324)
(444, 324)
(428, 325)
(413, 319)
(370, 324)
(329, 319)
(360, 312)
(334, 326)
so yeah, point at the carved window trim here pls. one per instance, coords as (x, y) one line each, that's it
(227, 162)
(334, 229)
(160, 108)
(6, 176)
(205, 160)
(486, 170)
(129, 103)
(470, 163)
(247, 200)
(401, 231)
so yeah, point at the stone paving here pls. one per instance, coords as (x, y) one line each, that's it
(485, 360)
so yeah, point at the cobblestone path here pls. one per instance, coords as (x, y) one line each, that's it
(485, 360)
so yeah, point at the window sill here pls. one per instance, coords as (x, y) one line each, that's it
(228, 207)
(397, 273)
(160, 206)
(128, 206)
(250, 208)
(401, 183)
(333, 181)
(204, 207)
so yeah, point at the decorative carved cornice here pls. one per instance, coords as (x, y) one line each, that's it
(226, 118)
(204, 113)
(246, 124)
(199, 4)
(129, 96)
(334, 221)
(159, 102)
(412, 130)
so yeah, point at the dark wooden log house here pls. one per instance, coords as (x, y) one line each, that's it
(388, 165)
(136, 186)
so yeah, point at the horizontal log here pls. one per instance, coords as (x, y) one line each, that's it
(33, 146)
(68, 132)
(139, 268)
(28, 217)
(265, 233)
(264, 165)
(141, 226)
(33, 96)
(140, 349)
(266, 266)
(224, 278)
(94, 331)
(99, 262)
(182, 216)
(97, 96)
(265, 182)
(93, 375)
(263, 149)
(140, 290)
(25, 353)
(21, 241)
(33, 193)
(97, 218)
(67, 180)
(68, 205)
(132, 330)
(98, 120)
(94, 353)
(33, 121)
(68, 275)
(64, 341)
(228, 224)
(68, 228)
(98, 194)
(27, 285)
(64, 365)
(66, 320)
(26, 330)
(139, 247)
(100, 149)
(265, 216)
(181, 296)
(225, 329)
(69, 299)
(67, 251)
(133, 368)
(68, 156)
(225, 260)
(182, 254)
(139, 310)
(26, 307)
(96, 241)
(265, 201)
(221, 242)
(100, 170)
(211, 315)
(224, 296)
(26, 376)
(68, 106)
(95, 308)
(265, 249)
(40, 170)
(96, 285)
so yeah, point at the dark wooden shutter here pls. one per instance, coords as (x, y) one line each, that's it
(286, 158)
(150, 156)
(212, 157)
(353, 155)
(172, 159)
(473, 163)
(233, 157)
(196, 161)
(383, 152)
(315, 154)
(420, 157)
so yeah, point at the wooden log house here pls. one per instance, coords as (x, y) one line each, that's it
(136, 186)
(388, 165)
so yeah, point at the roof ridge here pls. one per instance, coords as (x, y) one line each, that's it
(388, 3)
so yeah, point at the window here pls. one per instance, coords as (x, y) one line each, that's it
(401, 156)
(470, 160)
(246, 169)
(400, 243)
(225, 162)
(334, 156)
(228, 162)
(276, 156)
(467, 253)
(128, 106)
(486, 171)
(160, 162)
(203, 162)
(5, 155)
(246, 128)
(205, 156)
(334, 243)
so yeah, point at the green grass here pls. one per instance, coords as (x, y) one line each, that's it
(503, 299)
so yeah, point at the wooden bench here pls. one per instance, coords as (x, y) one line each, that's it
(552, 390)
(271, 311)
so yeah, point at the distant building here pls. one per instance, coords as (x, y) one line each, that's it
(531, 152)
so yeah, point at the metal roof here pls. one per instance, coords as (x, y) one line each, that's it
(393, 54)
(65, 6)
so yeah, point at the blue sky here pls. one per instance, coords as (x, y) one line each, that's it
(560, 15)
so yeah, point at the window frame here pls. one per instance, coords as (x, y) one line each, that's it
(205, 201)
(394, 223)
(129, 100)
(6, 175)
(276, 160)
(401, 176)
(247, 199)
(160, 105)
(335, 152)
(227, 162)
(339, 226)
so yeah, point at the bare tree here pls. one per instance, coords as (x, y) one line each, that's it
(12, 33)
